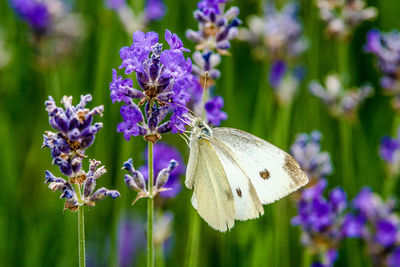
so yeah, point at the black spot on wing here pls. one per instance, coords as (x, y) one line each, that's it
(239, 192)
(264, 174)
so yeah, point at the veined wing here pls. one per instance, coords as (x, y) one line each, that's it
(212, 195)
(247, 203)
(273, 173)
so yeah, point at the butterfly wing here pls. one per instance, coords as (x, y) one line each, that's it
(273, 173)
(212, 195)
(247, 203)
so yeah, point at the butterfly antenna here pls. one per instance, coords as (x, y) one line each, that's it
(186, 141)
(203, 115)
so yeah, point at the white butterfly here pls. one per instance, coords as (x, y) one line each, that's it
(233, 173)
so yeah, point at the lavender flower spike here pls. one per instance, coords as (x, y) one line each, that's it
(320, 220)
(307, 151)
(342, 103)
(164, 77)
(216, 26)
(390, 153)
(75, 132)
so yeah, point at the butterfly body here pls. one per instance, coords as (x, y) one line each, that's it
(233, 173)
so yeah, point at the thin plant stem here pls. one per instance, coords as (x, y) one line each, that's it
(81, 228)
(194, 240)
(81, 236)
(150, 209)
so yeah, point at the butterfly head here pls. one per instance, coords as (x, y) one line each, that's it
(201, 128)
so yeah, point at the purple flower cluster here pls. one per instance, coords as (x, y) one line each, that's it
(163, 154)
(390, 152)
(153, 10)
(385, 46)
(75, 133)
(216, 26)
(342, 17)
(278, 34)
(307, 152)
(167, 167)
(376, 223)
(342, 103)
(34, 12)
(130, 240)
(321, 221)
(165, 79)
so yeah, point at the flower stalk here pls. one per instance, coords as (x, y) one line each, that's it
(150, 209)
(81, 236)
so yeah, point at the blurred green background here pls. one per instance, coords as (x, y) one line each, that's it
(34, 231)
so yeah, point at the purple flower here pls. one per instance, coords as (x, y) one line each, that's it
(386, 232)
(209, 6)
(216, 26)
(154, 10)
(214, 111)
(277, 34)
(321, 220)
(388, 148)
(342, 17)
(34, 12)
(165, 79)
(342, 102)
(75, 132)
(132, 116)
(163, 154)
(130, 239)
(307, 151)
(394, 258)
(115, 4)
(278, 70)
(386, 47)
(353, 225)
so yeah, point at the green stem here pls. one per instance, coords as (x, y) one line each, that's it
(343, 60)
(150, 210)
(81, 236)
(194, 239)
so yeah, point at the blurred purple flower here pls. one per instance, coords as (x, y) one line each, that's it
(388, 148)
(386, 47)
(214, 111)
(277, 71)
(307, 151)
(394, 258)
(342, 17)
(154, 10)
(277, 34)
(386, 232)
(163, 154)
(165, 79)
(34, 12)
(130, 239)
(321, 220)
(342, 102)
(115, 4)
(211, 6)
